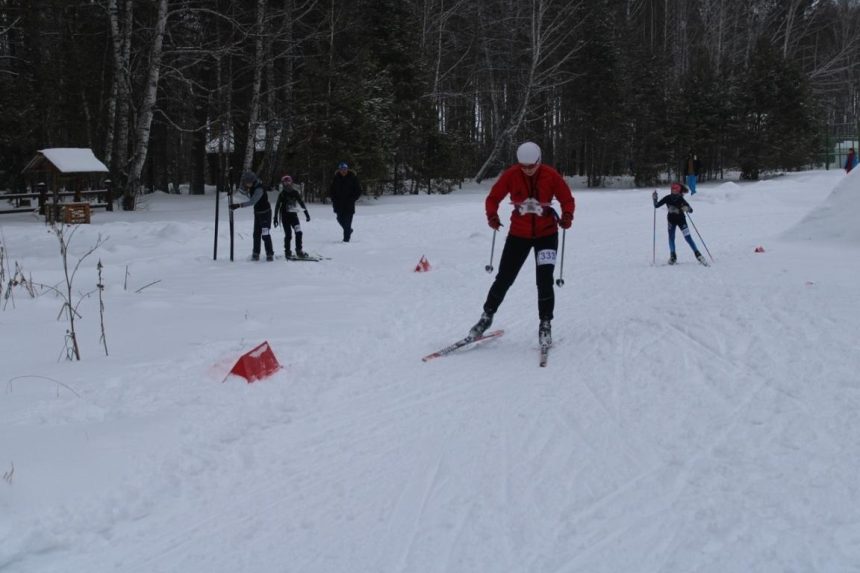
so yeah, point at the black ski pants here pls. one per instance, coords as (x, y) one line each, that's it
(291, 224)
(345, 221)
(514, 254)
(262, 224)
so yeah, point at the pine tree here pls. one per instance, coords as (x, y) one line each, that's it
(777, 115)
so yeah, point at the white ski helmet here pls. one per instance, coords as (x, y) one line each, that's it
(528, 153)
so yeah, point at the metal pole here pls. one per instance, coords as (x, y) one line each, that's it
(218, 188)
(560, 280)
(700, 237)
(489, 268)
(654, 240)
(230, 202)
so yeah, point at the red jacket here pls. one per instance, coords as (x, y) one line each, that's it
(545, 185)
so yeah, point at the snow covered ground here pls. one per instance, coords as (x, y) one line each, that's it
(690, 418)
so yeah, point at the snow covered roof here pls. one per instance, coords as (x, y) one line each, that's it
(214, 143)
(67, 160)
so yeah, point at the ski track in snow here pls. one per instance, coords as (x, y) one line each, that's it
(690, 418)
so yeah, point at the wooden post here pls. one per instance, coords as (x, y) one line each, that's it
(42, 190)
(109, 194)
(55, 208)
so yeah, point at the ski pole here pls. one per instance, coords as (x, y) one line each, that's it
(560, 280)
(700, 237)
(654, 240)
(489, 268)
(217, 205)
(229, 204)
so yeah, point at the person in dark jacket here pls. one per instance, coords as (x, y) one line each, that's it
(287, 211)
(850, 160)
(692, 167)
(252, 187)
(344, 192)
(532, 187)
(678, 207)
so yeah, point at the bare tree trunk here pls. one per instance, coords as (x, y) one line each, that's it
(121, 91)
(272, 130)
(144, 121)
(287, 113)
(198, 140)
(721, 30)
(268, 166)
(714, 22)
(253, 116)
(548, 38)
(791, 10)
(111, 123)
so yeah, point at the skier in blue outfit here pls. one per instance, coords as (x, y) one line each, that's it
(678, 207)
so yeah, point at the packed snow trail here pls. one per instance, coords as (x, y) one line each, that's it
(690, 418)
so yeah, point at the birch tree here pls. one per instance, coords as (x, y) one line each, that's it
(257, 85)
(551, 28)
(119, 104)
(144, 122)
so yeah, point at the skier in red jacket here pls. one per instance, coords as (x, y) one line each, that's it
(532, 187)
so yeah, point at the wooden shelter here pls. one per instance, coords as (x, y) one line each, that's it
(69, 168)
(63, 172)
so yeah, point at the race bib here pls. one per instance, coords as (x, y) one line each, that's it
(530, 206)
(546, 257)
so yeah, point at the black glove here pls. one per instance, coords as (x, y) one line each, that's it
(234, 206)
(275, 222)
(307, 216)
(494, 222)
(687, 209)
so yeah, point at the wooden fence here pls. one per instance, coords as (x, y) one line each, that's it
(49, 203)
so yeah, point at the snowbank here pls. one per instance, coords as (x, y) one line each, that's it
(836, 219)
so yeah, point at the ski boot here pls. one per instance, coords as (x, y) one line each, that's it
(301, 255)
(255, 256)
(545, 334)
(270, 257)
(701, 258)
(481, 326)
(288, 254)
(673, 258)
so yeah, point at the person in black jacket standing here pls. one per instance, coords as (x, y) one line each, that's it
(286, 210)
(678, 207)
(344, 192)
(251, 186)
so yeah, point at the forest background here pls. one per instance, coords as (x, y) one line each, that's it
(418, 95)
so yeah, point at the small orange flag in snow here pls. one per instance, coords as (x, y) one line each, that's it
(423, 265)
(256, 364)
